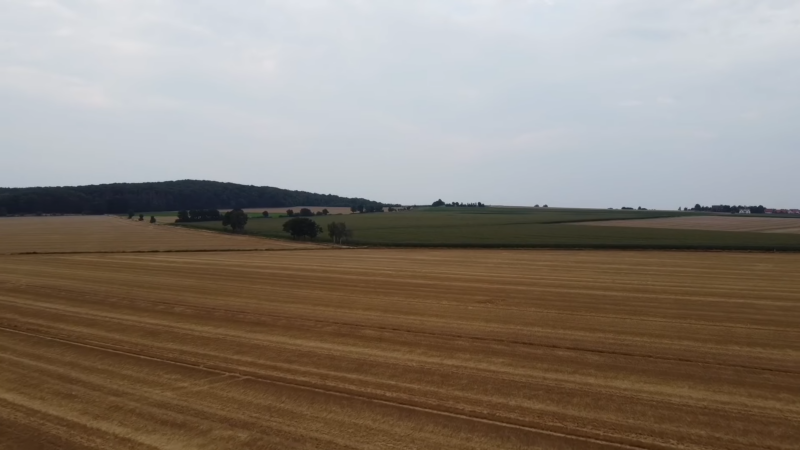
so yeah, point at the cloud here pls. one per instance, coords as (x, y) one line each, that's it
(353, 86)
(53, 87)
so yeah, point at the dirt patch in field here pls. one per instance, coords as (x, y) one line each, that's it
(110, 234)
(397, 349)
(710, 223)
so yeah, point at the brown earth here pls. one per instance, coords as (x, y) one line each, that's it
(712, 223)
(113, 234)
(400, 349)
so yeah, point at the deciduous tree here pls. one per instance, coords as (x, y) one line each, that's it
(236, 219)
(339, 232)
(302, 228)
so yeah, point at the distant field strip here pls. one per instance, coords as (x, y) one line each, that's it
(710, 223)
(400, 349)
(112, 234)
(532, 227)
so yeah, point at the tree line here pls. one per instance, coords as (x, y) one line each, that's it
(298, 226)
(440, 202)
(120, 198)
(727, 208)
(304, 212)
(304, 228)
(198, 215)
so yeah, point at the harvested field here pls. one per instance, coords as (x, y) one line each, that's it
(112, 234)
(400, 349)
(711, 223)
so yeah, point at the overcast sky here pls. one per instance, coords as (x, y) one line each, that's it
(586, 103)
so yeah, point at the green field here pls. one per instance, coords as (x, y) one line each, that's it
(521, 227)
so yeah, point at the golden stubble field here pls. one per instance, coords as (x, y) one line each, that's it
(400, 349)
(112, 234)
(711, 223)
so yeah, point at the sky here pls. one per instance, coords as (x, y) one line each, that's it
(574, 103)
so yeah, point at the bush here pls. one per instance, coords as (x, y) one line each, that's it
(305, 212)
(265, 214)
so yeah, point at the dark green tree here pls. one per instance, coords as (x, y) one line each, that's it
(325, 212)
(361, 208)
(289, 212)
(183, 216)
(141, 217)
(353, 209)
(339, 232)
(302, 228)
(305, 212)
(265, 214)
(152, 219)
(131, 214)
(438, 203)
(236, 219)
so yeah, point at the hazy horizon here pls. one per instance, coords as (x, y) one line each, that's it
(599, 104)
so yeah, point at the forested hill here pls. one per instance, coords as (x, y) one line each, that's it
(162, 196)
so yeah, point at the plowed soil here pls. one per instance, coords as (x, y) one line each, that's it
(711, 223)
(112, 234)
(400, 349)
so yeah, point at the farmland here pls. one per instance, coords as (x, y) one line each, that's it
(711, 223)
(110, 234)
(526, 227)
(381, 348)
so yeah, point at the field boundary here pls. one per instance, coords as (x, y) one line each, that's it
(631, 247)
(321, 247)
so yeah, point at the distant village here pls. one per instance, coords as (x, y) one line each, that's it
(742, 209)
(781, 211)
(725, 208)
